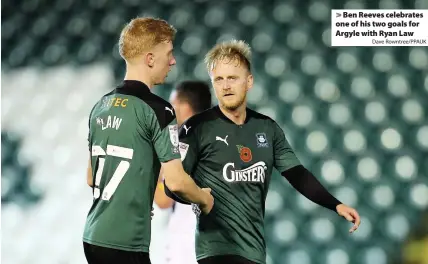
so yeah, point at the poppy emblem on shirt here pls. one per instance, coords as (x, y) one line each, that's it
(244, 153)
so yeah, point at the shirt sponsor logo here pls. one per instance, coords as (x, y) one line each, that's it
(254, 173)
(262, 141)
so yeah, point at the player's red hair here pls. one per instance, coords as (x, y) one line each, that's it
(142, 34)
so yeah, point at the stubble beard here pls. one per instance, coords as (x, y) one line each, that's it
(236, 105)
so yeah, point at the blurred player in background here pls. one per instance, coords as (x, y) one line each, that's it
(132, 133)
(188, 99)
(233, 150)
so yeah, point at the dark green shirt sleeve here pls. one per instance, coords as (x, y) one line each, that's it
(165, 139)
(188, 147)
(285, 158)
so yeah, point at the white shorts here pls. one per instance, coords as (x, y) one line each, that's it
(180, 245)
(173, 236)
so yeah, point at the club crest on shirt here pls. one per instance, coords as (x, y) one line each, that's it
(262, 140)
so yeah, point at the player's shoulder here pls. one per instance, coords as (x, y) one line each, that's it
(150, 103)
(147, 98)
(143, 94)
(161, 108)
(190, 125)
(266, 120)
(101, 102)
(259, 116)
(202, 118)
(158, 104)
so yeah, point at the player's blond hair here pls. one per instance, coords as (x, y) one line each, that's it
(234, 50)
(142, 34)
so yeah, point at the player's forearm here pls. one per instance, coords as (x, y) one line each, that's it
(161, 199)
(184, 187)
(173, 196)
(306, 183)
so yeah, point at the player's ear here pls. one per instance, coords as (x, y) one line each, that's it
(250, 81)
(150, 59)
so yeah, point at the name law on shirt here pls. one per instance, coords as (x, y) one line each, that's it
(112, 122)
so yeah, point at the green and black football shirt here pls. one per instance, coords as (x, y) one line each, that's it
(131, 131)
(236, 162)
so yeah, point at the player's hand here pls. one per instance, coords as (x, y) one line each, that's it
(349, 214)
(208, 204)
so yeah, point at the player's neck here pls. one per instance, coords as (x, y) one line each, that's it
(237, 116)
(138, 73)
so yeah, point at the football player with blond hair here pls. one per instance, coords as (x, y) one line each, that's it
(233, 150)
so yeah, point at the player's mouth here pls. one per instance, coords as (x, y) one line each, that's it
(228, 94)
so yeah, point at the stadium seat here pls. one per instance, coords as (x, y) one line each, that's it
(367, 168)
(298, 253)
(215, 15)
(416, 195)
(336, 252)
(376, 252)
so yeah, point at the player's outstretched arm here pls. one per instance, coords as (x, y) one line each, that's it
(173, 196)
(161, 199)
(180, 183)
(308, 185)
(304, 181)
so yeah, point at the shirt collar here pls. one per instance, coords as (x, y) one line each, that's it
(225, 118)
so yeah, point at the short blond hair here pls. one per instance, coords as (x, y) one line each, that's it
(231, 50)
(142, 34)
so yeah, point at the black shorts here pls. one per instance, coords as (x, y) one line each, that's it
(102, 255)
(226, 259)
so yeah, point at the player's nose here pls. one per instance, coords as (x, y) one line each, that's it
(226, 86)
(227, 91)
(172, 61)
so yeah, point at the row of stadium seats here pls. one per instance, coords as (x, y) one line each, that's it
(211, 14)
(16, 183)
(54, 128)
(299, 231)
(287, 31)
(386, 196)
